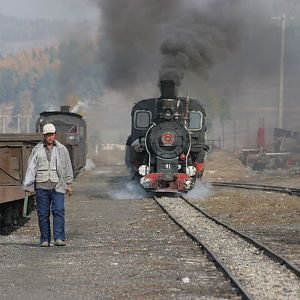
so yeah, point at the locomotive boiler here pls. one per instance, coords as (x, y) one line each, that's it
(166, 148)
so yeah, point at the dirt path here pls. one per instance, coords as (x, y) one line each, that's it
(117, 249)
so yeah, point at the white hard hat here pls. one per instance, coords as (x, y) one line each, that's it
(49, 128)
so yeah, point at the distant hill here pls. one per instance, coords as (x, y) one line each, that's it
(23, 34)
(13, 29)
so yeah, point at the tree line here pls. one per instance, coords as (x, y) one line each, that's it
(40, 79)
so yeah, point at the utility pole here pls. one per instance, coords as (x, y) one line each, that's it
(3, 123)
(18, 118)
(27, 123)
(283, 19)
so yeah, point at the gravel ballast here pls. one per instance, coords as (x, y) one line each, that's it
(263, 278)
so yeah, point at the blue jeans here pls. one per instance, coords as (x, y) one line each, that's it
(46, 199)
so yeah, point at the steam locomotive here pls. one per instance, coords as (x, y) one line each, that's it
(71, 131)
(166, 148)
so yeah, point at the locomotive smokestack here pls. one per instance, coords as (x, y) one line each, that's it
(168, 89)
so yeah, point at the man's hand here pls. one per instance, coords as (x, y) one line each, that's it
(69, 190)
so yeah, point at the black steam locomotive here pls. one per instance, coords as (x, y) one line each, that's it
(166, 148)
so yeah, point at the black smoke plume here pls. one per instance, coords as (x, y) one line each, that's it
(197, 41)
(148, 40)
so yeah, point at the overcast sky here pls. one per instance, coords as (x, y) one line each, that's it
(70, 10)
(81, 9)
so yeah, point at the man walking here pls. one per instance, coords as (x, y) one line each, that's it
(50, 173)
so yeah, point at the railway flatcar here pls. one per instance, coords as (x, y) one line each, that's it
(166, 148)
(14, 153)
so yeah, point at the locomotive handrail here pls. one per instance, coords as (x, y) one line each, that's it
(146, 136)
(190, 146)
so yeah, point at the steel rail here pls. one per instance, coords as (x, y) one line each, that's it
(260, 187)
(213, 257)
(264, 249)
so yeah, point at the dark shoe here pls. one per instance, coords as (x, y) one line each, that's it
(60, 243)
(45, 244)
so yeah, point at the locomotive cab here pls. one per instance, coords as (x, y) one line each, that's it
(166, 149)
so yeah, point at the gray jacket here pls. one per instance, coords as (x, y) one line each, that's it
(64, 167)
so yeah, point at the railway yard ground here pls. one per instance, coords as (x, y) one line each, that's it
(121, 245)
(269, 217)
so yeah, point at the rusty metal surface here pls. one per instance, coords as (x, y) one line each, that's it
(20, 137)
(14, 153)
(11, 193)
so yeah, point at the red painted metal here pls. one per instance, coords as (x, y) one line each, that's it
(261, 137)
(199, 166)
(182, 157)
(178, 185)
(181, 178)
(154, 177)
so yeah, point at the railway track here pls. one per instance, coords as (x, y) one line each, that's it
(256, 271)
(260, 187)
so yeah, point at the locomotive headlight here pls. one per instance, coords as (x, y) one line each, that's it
(191, 171)
(143, 170)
